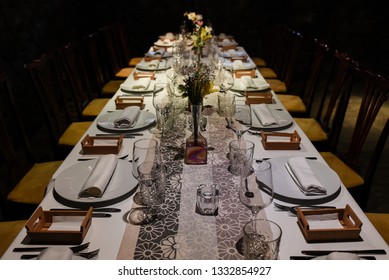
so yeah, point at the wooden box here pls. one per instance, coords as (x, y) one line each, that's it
(243, 58)
(91, 146)
(149, 58)
(240, 73)
(259, 97)
(123, 102)
(349, 231)
(39, 232)
(292, 143)
(138, 75)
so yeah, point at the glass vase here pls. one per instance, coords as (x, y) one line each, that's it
(196, 144)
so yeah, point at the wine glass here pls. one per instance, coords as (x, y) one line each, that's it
(256, 190)
(163, 104)
(225, 78)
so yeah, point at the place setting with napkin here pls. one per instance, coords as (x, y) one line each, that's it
(138, 85)
(247, 83)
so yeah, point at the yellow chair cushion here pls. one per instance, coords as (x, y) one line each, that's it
(292, 103)
(8, 232)
(124, 72)
(259, 62)
(31, 188)
(347, 175)
(381, 222)
(134, 61)
(277, 85)
(94, 107)
(73, 133)
(312, 129)
(267, 73)
(110, 88)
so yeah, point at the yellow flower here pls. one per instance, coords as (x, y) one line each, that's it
(191, 16)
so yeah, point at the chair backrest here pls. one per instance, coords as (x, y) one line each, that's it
(52, 92)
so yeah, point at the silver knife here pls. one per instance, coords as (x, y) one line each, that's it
(358, 252)
(125, 135)
(109, 209)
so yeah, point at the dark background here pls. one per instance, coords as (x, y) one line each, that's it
(30, 28)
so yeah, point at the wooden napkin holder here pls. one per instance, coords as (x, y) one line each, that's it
(123, 102)
(243, 58)
(347, 218)
(89, 147)
(38, 227)
(150, 58)
(138, 75)
(240, 73)
(293, 144)
(229, 47)
(258, 97)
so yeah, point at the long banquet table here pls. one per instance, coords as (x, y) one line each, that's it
(181, 233)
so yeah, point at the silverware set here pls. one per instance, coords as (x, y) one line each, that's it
(293, 209)
(312, 254)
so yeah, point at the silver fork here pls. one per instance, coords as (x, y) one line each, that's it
(86, 255)
(293, 209)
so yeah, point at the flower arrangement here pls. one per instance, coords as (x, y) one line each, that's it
(198, 82)
(201, 33)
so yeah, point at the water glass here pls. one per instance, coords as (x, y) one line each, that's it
(261, 240)
(144, 150)
(163, 104)
(241, 153)
(207, 198)
(226, 104)
(152, 183)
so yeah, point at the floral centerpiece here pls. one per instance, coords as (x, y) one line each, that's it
(200, 34)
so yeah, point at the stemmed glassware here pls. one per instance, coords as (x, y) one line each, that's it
(163, 104)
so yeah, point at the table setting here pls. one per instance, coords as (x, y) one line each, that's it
(201, 182)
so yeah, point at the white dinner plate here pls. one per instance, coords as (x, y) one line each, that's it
(282, 117)
(164, 64)
(285, 189)
(164, 44)
(260, 82)
(70, 181)
(128, 90)
(106, 122)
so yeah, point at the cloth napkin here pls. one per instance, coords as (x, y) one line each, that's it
(56, 253)
(263, 114)
(240, 65)
(304, 177)
(155, 53)
(100, 176)
(140, 84)
(253, 84)
(128, 117)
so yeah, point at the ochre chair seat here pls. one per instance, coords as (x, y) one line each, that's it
(110, 88)
(73, 133)
(347, 175)
(292, 103)
(381, 222)
(94, 107)
(259, 62)
(124, 72)
(312, 129)
(8, 232)
(277, 86)
(134, 61)
(31, 188)
(267, 73)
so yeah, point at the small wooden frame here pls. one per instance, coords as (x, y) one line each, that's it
(347, 218)
(292, 144)
(151, 58)
(38, 227)
(123, 102)
(240, 73)
(243, 58)
(138, 75)
(258, 97)
(229, 47)
(89, 146)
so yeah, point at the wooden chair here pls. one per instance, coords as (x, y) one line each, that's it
(8, 232)
(347, 164)
(101, 73)
(73, 65)
(125, 50)
(65, 133)
(114, 56)
(26, 180)
(381, 222)
(334, 100)
(301, 105)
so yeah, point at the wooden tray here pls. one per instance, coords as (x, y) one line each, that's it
(123, 102)
(258, 97)
(351, 225)
(293, 144)
(89, 146)
(38, 227)
(138, 75)
(148, 58)
(243, 58)
(240, 73)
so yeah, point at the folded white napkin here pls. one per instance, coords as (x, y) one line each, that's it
(169, 36)
(155, 53)
(232, 52)
(153, 64)
(249, 83)
(342, 256)
(304, 176)
(240, 65)
(263, 114)
(128, 117)
(100, 176)
(56, 253)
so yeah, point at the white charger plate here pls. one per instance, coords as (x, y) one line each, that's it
(70, 181)
(285, 189)
(106, 122)
(282, 117)
(127, 90)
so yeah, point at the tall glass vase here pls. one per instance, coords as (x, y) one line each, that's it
(196, 144)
